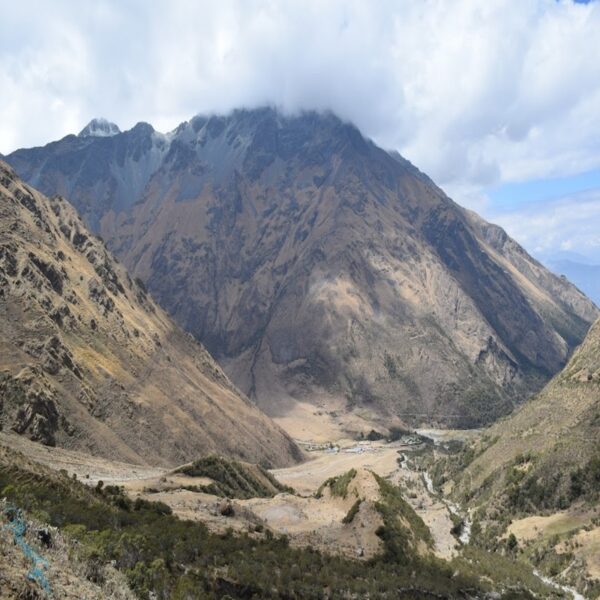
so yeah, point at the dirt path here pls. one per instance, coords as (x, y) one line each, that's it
(434, 512)
(87, 468)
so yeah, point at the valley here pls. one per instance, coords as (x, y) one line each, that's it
(310, 514)
(307, 520)
(421, 420)
(300, 300)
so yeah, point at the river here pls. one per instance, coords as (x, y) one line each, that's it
(465, 534)
(465, 537)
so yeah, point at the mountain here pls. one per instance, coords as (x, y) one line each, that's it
(316, 266)
(534, 477)
(98, 174)
(552, 439)
(88, 361)
(585, 276)
(99, 128)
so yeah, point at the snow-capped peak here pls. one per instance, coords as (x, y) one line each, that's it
(99, 128)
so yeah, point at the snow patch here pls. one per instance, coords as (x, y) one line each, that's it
(99, 128)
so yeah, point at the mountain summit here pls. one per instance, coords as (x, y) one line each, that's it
(316, 266)
(99, 128)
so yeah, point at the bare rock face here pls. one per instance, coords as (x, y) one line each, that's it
(27, 406)
(88, 361)
(316, 266)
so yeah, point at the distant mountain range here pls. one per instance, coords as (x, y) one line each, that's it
(584, 273)
(316, 266)
(88, 361)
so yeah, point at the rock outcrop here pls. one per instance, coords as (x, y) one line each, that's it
(88, 361)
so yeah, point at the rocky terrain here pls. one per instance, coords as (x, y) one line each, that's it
(50, 565)
(89, 361)
(318, 267)
(364, 524)
(536, 474)
(550, 437)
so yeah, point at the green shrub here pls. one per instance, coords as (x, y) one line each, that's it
(399, 541)
(165, 557)
(352, 512)
(585, 481)
(338, 486)
(232, 479)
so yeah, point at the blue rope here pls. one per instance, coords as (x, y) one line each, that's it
(18, 527)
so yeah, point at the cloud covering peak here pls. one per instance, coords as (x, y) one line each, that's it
(474, 93)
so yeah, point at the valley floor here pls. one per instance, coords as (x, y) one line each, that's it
(301, 516)
(308, 516)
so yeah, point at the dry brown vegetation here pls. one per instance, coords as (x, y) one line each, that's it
(89, 361)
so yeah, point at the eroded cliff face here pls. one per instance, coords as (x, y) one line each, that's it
(88, 361)
(315, 265)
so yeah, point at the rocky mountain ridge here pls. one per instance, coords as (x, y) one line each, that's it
(88, 361)
(315, 265)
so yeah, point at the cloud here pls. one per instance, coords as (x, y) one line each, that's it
(474, 93)
(568, 223)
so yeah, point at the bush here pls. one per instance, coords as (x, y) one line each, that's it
(374, 436)
(165, 557)
(400, 542)
(337, 485)
(352, 512)
(585, 481)
(232, 479)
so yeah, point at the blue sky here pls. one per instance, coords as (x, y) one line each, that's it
(508, 196)
(551, 217)
(498, 101)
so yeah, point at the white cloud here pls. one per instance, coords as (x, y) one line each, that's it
(569, 223)
(472, 92)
